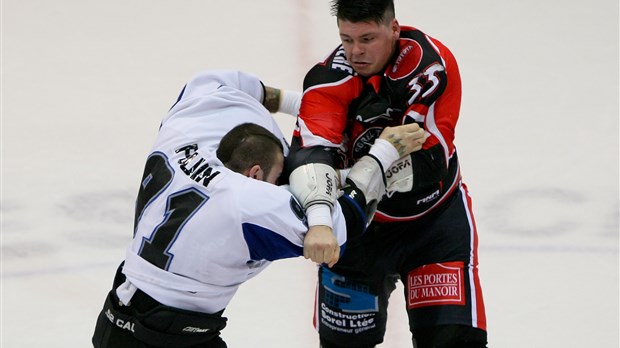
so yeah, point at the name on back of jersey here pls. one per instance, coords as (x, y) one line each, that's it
(340, 61)
(195, 166)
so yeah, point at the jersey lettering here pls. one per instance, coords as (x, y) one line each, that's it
(364, 141)
(407, 61)
(196, 167)
(340, 62)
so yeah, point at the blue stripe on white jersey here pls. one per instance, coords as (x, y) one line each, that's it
(265, 244)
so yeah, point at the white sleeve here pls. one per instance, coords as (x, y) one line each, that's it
(208, 81)
(214, 102)
(274, 222)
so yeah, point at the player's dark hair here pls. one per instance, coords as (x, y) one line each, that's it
(379, 11)
(249, 144)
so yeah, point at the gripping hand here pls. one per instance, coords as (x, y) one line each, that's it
(405, 139)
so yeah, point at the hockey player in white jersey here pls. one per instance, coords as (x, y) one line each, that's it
(209, 217)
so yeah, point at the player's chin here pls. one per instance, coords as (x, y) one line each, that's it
(364, 69)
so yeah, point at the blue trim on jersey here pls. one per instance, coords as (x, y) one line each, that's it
(179, 97)
(265, 244)
(359, 209)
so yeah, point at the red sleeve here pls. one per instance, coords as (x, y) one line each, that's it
(448, 106)
(435, 94)
(329, 88)
(324, 110)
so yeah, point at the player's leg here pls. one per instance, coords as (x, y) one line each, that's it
(112, 333)
(351, 313)
(353, 295)
(450, 336)
(145, 323)
(442, 288)
(217, 342)
(325, 344)
(444, 314)
(110, 330)
(108, 335)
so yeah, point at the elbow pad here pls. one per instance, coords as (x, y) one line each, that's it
(314, 183)
(367, 175)
(399, 175)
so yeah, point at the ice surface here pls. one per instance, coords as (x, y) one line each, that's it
(85, 84)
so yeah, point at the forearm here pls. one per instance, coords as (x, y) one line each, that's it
(314, 181)
(278, 100)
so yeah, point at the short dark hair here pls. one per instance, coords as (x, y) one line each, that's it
(249, 144)
(379, 11)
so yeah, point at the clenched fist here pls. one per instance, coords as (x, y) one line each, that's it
(321, 246)
(406, 138)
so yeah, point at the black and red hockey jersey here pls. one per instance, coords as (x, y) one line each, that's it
(344, 112)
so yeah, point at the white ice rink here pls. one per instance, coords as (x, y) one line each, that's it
(85, 84)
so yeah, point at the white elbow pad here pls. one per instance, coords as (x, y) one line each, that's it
(314, 183)
(367, 176)
(399, 175)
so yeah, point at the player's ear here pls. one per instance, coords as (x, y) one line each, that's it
(395, 29)
(256, 172)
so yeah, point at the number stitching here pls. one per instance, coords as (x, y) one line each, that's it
(180, 208)
(156, 163)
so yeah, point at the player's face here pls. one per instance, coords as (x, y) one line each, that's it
(368, 45)
(276, 170)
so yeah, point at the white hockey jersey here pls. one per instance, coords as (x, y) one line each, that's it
(202, 230)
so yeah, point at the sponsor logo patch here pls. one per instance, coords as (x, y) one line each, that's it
(364, 141)
(346, 307)
(195, 329)
(407, 61)
(436, 285)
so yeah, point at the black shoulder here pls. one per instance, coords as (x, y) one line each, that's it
(411, 33)
(299, 156)
(334, 68)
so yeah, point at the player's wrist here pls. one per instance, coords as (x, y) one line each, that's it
(384, 152)
(271, 98)
(290, 102)
(279, 100)
(319, 214)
